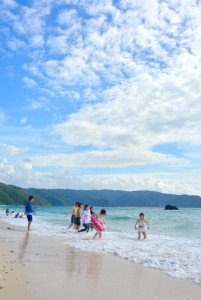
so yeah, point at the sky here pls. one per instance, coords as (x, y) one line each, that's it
(101, 94)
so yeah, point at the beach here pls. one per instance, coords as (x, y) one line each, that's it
(41, 268)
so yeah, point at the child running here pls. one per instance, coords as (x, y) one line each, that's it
(86, 219)
(98, 223)
(140, 226)
(78, 216)
(73, 212)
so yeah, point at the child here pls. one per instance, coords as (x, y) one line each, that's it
(86, 219)
(78, 216)
(140, 226)
(98, 223)
(29, 211)
(73, 212)
(91, 212)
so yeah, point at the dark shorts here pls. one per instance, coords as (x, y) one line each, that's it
(73, 219)
(77, 221)
(29, 218)
(87, 226)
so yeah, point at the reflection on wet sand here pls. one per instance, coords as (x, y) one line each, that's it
(23, 246)
(79, 262)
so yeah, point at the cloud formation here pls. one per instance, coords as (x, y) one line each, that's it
(106, 83)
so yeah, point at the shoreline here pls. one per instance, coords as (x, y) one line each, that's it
(46, 268)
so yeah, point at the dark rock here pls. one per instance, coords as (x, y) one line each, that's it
(171, 207)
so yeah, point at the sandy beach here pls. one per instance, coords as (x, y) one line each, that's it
(42, 268)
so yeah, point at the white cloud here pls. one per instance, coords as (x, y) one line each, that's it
(23, 175)
(29, 82)
(24, 120)
(36, 41)
(15, 44)
(12, 150)
(6, 169)
(134, 69)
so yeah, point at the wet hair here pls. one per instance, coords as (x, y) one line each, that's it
(141, 215)
(76, 203)
(31, 197)
(79, 204)
(103, 212)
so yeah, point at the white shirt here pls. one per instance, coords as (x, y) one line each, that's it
(86, 217)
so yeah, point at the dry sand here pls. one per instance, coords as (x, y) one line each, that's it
(46, 269)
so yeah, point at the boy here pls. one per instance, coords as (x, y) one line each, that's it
(73, 212)
(78, 216)
(29, 211)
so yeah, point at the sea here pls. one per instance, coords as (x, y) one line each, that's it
(173, 243)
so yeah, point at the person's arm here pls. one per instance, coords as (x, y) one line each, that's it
(146, 222)
(32, 210)
(71, 211)
(83, 218)
(136, 223)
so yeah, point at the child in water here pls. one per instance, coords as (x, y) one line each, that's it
(141, 227)
(98, 222)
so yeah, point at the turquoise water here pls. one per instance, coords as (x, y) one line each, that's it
(182, 223)
(173, 244)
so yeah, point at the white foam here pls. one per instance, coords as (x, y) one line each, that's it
(178, 257)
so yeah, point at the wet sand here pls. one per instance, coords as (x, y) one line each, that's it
(46, 269)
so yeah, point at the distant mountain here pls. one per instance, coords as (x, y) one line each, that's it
(13, 195)
(113, 198)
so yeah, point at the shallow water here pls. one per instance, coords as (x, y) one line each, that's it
(173, 244)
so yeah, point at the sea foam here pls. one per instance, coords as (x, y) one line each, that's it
(176, 256)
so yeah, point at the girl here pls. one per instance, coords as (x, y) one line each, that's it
(140, 226)
(86, 219)
(98, 222)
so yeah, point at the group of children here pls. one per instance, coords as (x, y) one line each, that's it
(91, 220)
(88, 218)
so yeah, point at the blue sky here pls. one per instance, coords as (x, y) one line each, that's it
(101, 94)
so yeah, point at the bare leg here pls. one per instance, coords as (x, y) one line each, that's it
(70, 225)
(29, 226)
(144, 234)
(96, 234)
(139, 235)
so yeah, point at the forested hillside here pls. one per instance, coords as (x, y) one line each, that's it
(116, 198)
(13, 195)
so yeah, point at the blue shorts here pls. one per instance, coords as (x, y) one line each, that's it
(77, 221)
(29, 218)
(72, 219)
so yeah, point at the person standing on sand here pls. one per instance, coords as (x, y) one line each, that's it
(78, 216)
(98, 223)
(140, 225)
(29, 211)
(73, 212)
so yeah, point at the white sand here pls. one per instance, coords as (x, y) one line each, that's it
(49, 270)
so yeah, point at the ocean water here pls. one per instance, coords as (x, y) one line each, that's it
(173, 243)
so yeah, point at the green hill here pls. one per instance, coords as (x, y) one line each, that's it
(106, 198)
(13, 195)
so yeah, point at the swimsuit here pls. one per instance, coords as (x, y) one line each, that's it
(141, 226)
